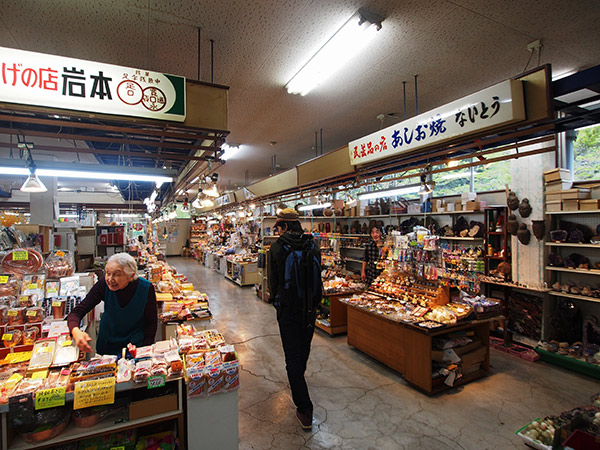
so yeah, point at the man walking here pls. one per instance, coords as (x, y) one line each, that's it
(296, 289)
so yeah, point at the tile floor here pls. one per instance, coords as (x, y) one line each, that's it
(361, 404)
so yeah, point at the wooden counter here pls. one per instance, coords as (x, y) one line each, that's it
(408, 349)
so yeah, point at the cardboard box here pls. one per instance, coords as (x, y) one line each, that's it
(553, 206)
(580, 193)
(458, 206)
(553, 196)
(414, 208)
(474, 357)
(153, 406)
(473, 206)
(560, 185)
(570, 205)
(589, 205)
(557, 174)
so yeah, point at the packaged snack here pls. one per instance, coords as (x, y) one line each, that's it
(186, 344)
(144, 352)
(214, 379)
(199, 344)
(59, 263)
(175, 363)
(13, 337)
(142, 371)
(196, 385)
(214, 338)
(100, 367)
(228, 353)
(9, 285)
(194, 362)
(25, 301)
(125, 369)
(65, 353)
(185, 330)
(21, 261)
(30, 335)
(162, 347)
(3, 314)
(159, 367)
(42, 354)
(33, 284)
(16, 316)
(69, 286)
(35, 314)
(52, 289)
(59, 307)
(212, 358)
(231, 375)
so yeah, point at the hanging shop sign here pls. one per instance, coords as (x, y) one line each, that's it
(490, 108)
(54, 81)
(225, 199)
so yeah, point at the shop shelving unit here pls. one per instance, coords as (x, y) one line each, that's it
(110, 239)
(241, 273)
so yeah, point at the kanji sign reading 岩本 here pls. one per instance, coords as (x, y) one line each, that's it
(46, 80)
(495, 106)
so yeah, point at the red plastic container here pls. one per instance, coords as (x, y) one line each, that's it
(580, 440)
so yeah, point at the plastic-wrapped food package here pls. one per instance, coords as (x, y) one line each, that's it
(3, 314)
(30, 335)
(21, 261)
(125, 369)
(9, 285)
(10, 338)
(16, 316)
(59, 306)
(142, 371)
(65, 352)
(212, 358)
(175, 363)
(35, 314)
(159, 367)
(59, 263)
(227, 353)
(52, 289)
(33, 284)
(42, 354)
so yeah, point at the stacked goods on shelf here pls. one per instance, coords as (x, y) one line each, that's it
(575, 428)
(561, 196)
(211, 365)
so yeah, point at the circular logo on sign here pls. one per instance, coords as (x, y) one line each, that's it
(130, 92)
(154, 99)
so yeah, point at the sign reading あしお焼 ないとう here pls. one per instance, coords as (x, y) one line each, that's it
(57, 82)
(490, 108)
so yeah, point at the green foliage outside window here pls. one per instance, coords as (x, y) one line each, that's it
(586, 154)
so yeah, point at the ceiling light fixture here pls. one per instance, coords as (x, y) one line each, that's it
(32, 183)
(413, 189)
(229, 151)
(348, 41)
(212, 191)
(314, 206)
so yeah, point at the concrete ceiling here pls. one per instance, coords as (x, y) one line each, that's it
(455, 47)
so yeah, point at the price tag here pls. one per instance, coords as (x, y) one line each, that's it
(67, 343)
(156, 381)
(56, 304)
(18, 357)
(94, 393)
(20, 256)
(118, 448)
(32, 286)
(60, 253)
(11, 313)
(49, 398)
(7, 337)
(31, 313)
(3, 279)
(40, 375)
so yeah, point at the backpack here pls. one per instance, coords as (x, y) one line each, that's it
(302, 287)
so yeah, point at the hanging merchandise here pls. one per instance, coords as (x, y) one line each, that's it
(539, 229)
(525, 208)
(512, 201)
(512, 225)
(524, 235)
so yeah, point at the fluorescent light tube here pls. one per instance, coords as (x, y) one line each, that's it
(314, 206)
(346, 43)
(229, 151)
(390, 192)
(102, 175)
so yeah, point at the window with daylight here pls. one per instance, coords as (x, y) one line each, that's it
(586, 154)
(493, 176)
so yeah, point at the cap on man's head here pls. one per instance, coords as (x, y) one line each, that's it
(287, 214)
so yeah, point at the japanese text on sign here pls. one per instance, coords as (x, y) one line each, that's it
(495, 106)
(49, 398)
(94, 393)
(47, 80)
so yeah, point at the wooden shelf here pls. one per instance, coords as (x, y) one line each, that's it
(565, 269)
(552, 213)
(575, 296)
(516, 286)
(352, 248)
(574, 245)
(353, 260)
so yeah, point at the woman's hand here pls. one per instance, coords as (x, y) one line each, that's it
(81, 339)
(363, 276)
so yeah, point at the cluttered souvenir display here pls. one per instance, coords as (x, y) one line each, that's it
(575, 428)
(178, 299)
(414, 288)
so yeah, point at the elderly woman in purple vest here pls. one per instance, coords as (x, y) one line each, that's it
(129, 309)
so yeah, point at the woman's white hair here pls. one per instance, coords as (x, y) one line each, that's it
(126, 262)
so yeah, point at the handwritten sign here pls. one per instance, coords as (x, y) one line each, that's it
(49, 398)
(60, 254)
(7, 337)
(20, 256)
(94, 393)
(3, 279)
(156, 381)
(56, 304)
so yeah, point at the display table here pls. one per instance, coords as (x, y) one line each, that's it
(338, 322)
(408, 349)
(242, 273)
(169, 407)
(168, 330)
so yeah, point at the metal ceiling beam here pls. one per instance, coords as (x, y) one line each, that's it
(204, 135)
(154, 156)
(84, 137)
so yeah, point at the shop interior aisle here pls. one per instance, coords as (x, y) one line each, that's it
(359, 403)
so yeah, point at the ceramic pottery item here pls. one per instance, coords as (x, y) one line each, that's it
(512, 201)
(512, 226)
(539, 229)
(524, 235)
(525, 208)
